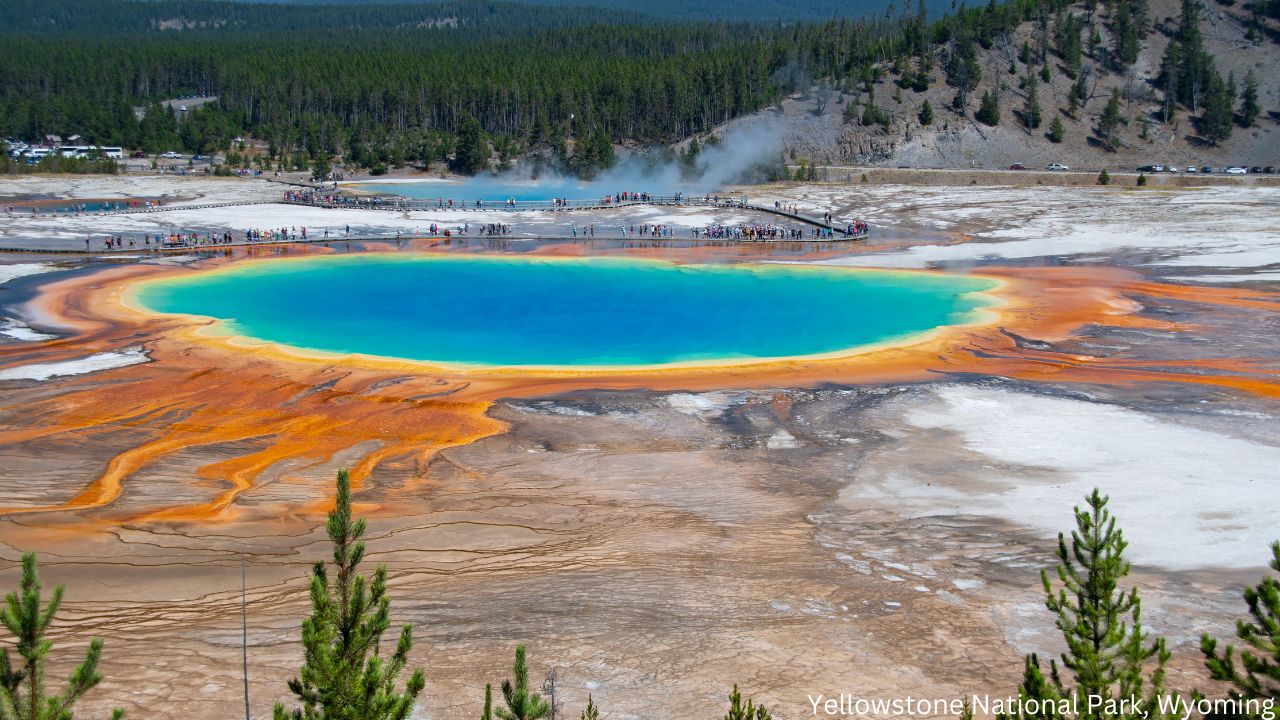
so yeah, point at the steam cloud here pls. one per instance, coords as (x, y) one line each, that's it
(743, 153)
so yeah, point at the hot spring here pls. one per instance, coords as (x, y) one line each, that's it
(497, 189)
(521, 311)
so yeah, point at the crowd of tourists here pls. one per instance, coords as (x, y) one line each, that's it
(648, 231)
(336, 199)
(333, 198)
(176, 239)
(855, 228)
(747, 232)
(312, 197)
(742, 232)
(162, 240)
(777, 232)
(293, 234)
(84, 208)
(655, 231)
(495, 230)
(463, 230)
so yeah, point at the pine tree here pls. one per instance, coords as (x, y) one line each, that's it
(1108, 655)
(749, 711)
(1126, 37)
(926, 114)
(343, 677)
(962, 69)
(472, 151)
(321, 168)
(1186, 67)
(1141, 18)
(522, 704)
(689, 158)
(487, 713)
(921, 79)
(1168, 81)
(1066, 34)
(591, 712)
(1249, 109)
(1257, 677)
(850, 112)
(989, 111)
(872, 114)
(1080, 93)
(593, 154)
(1104, 177)
(1056, 132)
(1031, 116)
(1216, 120)
(1109, 121)
(22, 689)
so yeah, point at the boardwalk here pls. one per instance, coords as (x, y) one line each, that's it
(398, 204)
(437, 205)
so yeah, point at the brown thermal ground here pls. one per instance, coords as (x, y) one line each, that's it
(655, 536)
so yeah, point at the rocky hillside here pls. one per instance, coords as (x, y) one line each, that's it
(820, 125)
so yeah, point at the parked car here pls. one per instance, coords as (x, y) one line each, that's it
(1191, 168)
(1017, 166)
(1171, 168)
(1057, 167)
(1235, 170)
(171, 155)
(138, 154)
(1270, 170)
(1255, 169)
(1157, 168)
(1207, 169)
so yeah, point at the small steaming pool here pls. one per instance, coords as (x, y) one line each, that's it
(498, 189)
(489, 189)
(71, 205)
(519, 311)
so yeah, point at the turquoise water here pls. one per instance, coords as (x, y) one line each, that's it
(490, 189)
(499, 189)
(528, 311)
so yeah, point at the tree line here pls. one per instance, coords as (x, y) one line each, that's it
(1075, 37)
(1113, 668)
(388, 85)
(1189, 79)
(227, 17)
(368, 87)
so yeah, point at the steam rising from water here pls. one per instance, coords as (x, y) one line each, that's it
(743, 154)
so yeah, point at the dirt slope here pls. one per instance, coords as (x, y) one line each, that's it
(818, 131)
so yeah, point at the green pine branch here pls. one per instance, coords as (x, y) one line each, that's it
(1257, 674)
(749, 711)
(23, 693)
(1113, 669)
(521, 702)
(343, 676)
